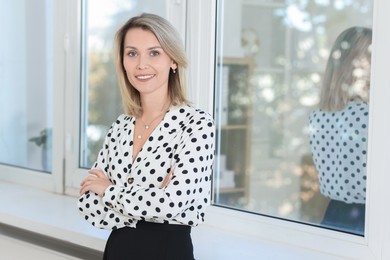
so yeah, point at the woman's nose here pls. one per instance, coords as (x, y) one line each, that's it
(142, 62)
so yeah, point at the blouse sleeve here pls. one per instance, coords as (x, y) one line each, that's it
(188, 193)
(90, 204)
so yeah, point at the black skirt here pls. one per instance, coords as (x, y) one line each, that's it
(152, 241)
(343, 216)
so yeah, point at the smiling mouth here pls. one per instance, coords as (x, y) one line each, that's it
(145, 76)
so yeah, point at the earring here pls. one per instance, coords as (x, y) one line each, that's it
(174, 71)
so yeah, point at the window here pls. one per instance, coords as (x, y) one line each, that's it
(26, 79)
(270, 66)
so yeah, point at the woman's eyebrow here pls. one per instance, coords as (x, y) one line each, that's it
(150, 48)
(154, 47)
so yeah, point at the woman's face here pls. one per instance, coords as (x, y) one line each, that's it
(147, 65)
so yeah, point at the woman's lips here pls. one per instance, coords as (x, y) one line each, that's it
(145, 77)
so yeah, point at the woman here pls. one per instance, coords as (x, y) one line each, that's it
(151, 181)
(338, 130)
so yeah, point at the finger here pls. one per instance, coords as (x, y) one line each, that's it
(88, 179)
(83, 190)
(88, 182)
(89, 185)
(83, 181)
(97, 173)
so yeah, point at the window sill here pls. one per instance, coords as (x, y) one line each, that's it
(56, 216)
(48, 214)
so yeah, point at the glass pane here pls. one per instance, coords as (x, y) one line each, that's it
(292, 127)
(102, 100)
(26, 83)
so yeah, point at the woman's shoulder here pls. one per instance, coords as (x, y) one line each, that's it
(121, 121)
(353, 108)
(190, 111)
(188, 116)
(353, 116)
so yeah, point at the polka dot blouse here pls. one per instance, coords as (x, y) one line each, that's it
(338, 143)
(184, 140)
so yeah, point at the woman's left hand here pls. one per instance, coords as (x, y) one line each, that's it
(97, 182)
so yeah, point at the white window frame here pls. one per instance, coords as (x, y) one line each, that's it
(73, 173)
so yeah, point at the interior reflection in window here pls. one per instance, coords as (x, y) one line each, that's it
(338, 130)
(270, 71)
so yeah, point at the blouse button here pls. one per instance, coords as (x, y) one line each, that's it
(130, 180)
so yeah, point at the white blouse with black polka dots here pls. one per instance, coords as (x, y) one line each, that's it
(184, 140)
(338, 143)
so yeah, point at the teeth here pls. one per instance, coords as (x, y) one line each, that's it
(145, 77)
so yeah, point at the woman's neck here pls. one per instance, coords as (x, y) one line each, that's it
(153, 107)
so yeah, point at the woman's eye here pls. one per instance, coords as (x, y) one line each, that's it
(132, 53)
(154, 53)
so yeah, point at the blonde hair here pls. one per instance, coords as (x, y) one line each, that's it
(170, 42)
(342, 73)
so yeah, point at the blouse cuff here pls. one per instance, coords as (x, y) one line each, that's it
(114, 194)
(111, 196)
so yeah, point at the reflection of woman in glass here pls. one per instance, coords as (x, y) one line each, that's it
(338, 130)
